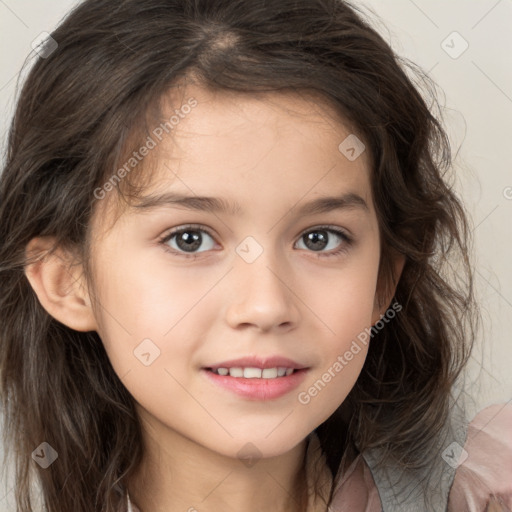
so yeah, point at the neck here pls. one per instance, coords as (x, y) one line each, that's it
(179, 475)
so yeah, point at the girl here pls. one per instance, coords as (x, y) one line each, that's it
(225, 244)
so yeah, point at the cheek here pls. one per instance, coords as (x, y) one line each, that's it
(143, 296)
(346, 308)
(150, 307)
(346, 303)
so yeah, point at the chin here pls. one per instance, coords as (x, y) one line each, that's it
(257, 447)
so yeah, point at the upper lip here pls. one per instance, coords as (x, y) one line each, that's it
(258, 362)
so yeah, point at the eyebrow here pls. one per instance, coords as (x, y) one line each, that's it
(348, 201)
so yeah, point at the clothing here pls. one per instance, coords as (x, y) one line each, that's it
(468, 478)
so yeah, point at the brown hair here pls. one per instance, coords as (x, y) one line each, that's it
(77, 111)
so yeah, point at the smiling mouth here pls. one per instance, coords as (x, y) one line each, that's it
(254, 373)
(257, 384)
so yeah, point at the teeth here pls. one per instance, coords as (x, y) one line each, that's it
(255, 373)
(236, 372)
(252, 373)
(269, 373)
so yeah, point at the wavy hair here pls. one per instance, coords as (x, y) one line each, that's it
(80, 110)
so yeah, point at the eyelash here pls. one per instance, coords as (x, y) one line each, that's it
(347, 241)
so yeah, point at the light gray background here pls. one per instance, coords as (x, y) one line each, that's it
(477, 89)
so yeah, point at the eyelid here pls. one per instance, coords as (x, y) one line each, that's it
(184, 227)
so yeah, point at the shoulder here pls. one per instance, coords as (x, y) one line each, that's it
(484, 470)
(482, 478)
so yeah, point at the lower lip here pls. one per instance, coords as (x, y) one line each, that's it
(258, 389)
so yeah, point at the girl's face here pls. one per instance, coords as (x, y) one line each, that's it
(271, 279)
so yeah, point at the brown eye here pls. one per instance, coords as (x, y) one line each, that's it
(188, 240)
(318, 239)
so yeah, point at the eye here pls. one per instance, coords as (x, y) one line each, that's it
(318, 238)
(185, 240)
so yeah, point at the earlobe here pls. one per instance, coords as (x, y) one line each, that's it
(59, 284)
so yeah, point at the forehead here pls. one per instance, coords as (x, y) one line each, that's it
(249, 120)
(275, 145)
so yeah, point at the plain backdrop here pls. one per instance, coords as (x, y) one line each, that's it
(466, 47)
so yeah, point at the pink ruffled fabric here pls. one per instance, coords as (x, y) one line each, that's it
(486, 475)
(356, 491)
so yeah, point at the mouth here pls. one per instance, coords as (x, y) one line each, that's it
(239, 372)
(256, 384)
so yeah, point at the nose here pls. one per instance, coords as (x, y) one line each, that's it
(263, 296)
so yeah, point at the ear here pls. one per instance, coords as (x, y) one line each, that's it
(386, 286)
(59, 284)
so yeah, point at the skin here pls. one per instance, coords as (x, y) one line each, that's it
(272, 154)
